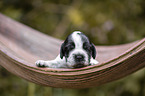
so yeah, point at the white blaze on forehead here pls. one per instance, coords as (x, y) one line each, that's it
(77, 39)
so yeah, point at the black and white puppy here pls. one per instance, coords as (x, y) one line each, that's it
(76, 52)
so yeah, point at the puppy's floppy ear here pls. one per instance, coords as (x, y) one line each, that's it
(93, 50)
(62, 51)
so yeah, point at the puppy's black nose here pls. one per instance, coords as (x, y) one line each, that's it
(79, 57)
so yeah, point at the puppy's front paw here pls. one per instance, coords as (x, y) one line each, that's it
(93, 62)
(41, 63)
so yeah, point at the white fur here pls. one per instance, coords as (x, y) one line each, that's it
(77, 40)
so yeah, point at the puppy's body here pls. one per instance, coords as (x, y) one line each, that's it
(76, 52)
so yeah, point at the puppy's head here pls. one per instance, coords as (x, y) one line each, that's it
(77, 50)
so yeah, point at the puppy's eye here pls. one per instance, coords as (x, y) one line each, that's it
(85, 46)
(72, 46)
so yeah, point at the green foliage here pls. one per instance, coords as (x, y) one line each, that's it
(104, 21)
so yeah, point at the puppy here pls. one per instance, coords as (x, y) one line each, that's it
(76, 52)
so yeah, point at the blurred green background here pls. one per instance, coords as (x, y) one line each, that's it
(105, 22)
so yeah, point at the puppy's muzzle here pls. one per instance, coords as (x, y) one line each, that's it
(79, 58)
(79, 65)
